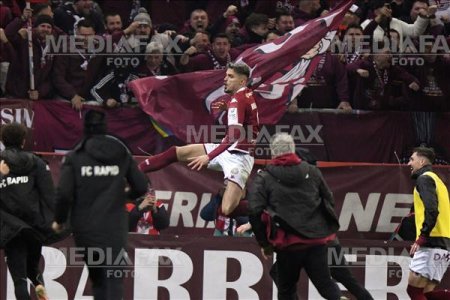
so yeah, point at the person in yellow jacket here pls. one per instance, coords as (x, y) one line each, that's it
(430, 251)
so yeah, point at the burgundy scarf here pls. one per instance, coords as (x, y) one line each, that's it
(288, 159)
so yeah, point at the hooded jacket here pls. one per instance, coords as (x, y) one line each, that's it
(92, 189)
(26, 196)
(299, 196)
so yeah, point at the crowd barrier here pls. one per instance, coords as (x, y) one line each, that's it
(378, 137)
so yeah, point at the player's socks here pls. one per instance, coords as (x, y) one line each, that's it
(208, 213)
(415, 293)
(159, 161)
(438, 295)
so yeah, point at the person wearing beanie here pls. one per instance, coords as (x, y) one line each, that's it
(138, 35)
(91, 190)
(143, 18)
(44, 19)
(18, 82)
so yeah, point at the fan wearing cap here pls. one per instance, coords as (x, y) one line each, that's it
(18, 77)
(139, 32)
(92, 190)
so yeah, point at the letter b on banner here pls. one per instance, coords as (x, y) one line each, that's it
(146, 281)
(215, 282)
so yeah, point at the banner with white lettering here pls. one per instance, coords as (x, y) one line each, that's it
(172, 267)
(18, 111)
(370, 200)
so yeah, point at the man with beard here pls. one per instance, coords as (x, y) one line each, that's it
(113, 23)
(18, 80)
(67, 15)
(234, 154)
(430, 251)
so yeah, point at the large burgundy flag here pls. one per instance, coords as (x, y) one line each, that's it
(279, 70)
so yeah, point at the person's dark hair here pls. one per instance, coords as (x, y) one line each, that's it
(274, 31)
(379, 3)
(13, 135)
(425, 152)
(203, 32)
(240, 68)
(198, 10)
(85, 23)
(38, 7)
(94, 122)
(111, 14)
(255, 19)
(354, 26)
(280, 12)
(222, 35)
(423, 1)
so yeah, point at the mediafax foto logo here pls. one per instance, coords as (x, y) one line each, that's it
(119, 51)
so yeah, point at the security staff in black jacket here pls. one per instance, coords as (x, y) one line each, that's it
(92, 189)
(26, 210)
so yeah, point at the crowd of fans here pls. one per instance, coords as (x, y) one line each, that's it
(72, 60)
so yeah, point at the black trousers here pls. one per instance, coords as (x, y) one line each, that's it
(105, 270)
(286, 272)
(23, 253)
(340, 272)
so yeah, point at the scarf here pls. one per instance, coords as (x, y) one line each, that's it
(288, 159)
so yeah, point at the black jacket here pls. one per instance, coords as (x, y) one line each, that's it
(92, 189)
(299, 196)
(26, 196)
(160, 217)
